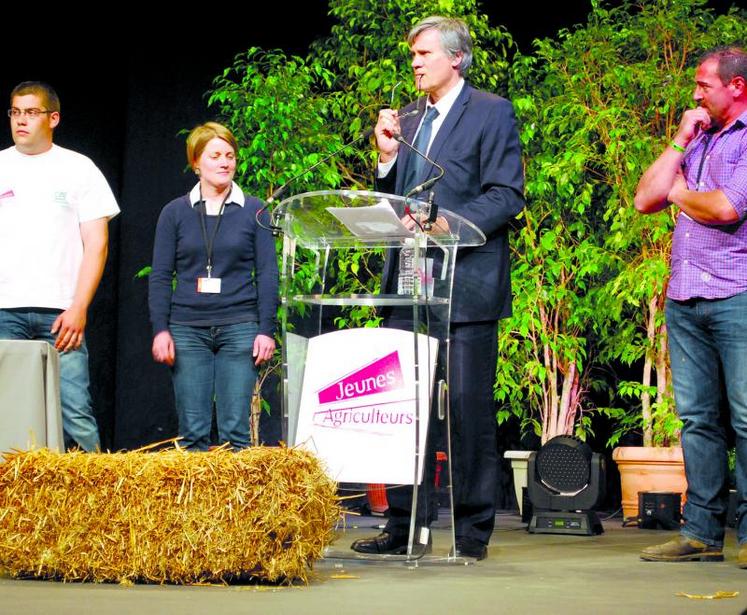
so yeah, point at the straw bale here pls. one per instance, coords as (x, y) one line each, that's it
(165, 517)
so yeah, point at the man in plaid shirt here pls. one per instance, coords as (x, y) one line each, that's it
(703, 172)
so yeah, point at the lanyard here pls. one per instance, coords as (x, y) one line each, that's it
(203, 226)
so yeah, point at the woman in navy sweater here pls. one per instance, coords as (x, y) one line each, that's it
(216, 324)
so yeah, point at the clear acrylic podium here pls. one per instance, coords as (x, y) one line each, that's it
(318, 228)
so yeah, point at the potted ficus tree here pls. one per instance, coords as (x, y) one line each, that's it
(638, 65)
(597, 105)
(541, 375)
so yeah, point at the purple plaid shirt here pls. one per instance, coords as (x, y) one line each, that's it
(710, 261)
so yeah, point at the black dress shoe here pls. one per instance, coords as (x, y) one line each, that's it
(388, 544)
(469, 547)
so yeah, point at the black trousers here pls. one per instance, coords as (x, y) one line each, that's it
(473, 355)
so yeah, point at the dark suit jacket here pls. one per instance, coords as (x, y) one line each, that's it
(478, 146)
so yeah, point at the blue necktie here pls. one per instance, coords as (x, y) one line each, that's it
(416, 166)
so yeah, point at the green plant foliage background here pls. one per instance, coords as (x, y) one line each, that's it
(596, 105)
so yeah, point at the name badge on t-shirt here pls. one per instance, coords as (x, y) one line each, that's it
(61, 198)
(208, 285)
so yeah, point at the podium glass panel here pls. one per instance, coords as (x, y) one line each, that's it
(375, 385)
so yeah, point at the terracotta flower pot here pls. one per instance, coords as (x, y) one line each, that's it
(647, 468)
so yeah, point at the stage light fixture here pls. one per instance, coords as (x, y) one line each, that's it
(565, 481)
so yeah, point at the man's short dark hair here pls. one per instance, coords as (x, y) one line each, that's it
(43, 90)
(732, 62)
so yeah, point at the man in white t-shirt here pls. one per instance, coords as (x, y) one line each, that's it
(54, 209)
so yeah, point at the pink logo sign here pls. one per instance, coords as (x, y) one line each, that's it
(382, 375)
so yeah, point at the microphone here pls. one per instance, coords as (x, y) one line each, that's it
(280, 191)
(426, 185)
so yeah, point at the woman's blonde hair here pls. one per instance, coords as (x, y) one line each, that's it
(201, 135)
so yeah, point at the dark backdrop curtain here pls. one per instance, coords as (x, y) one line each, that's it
(126, 95)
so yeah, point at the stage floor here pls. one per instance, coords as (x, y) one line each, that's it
(524, 573)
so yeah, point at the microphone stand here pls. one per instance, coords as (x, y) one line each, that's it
(280, 191)
(426, 185)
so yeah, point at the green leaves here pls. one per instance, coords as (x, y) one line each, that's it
(597, 104)
(288, 112)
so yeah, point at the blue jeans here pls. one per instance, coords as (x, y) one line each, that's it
(214, 363)
(708, 345)
(78, 421)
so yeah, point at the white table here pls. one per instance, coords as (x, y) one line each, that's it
(30, 412)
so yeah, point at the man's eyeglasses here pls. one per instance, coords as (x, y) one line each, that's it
(33, 113)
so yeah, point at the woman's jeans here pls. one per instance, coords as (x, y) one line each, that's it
(214, 364)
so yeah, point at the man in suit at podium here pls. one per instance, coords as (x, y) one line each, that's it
(472, 135)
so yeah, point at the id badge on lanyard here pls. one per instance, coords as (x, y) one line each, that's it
(209, 284)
